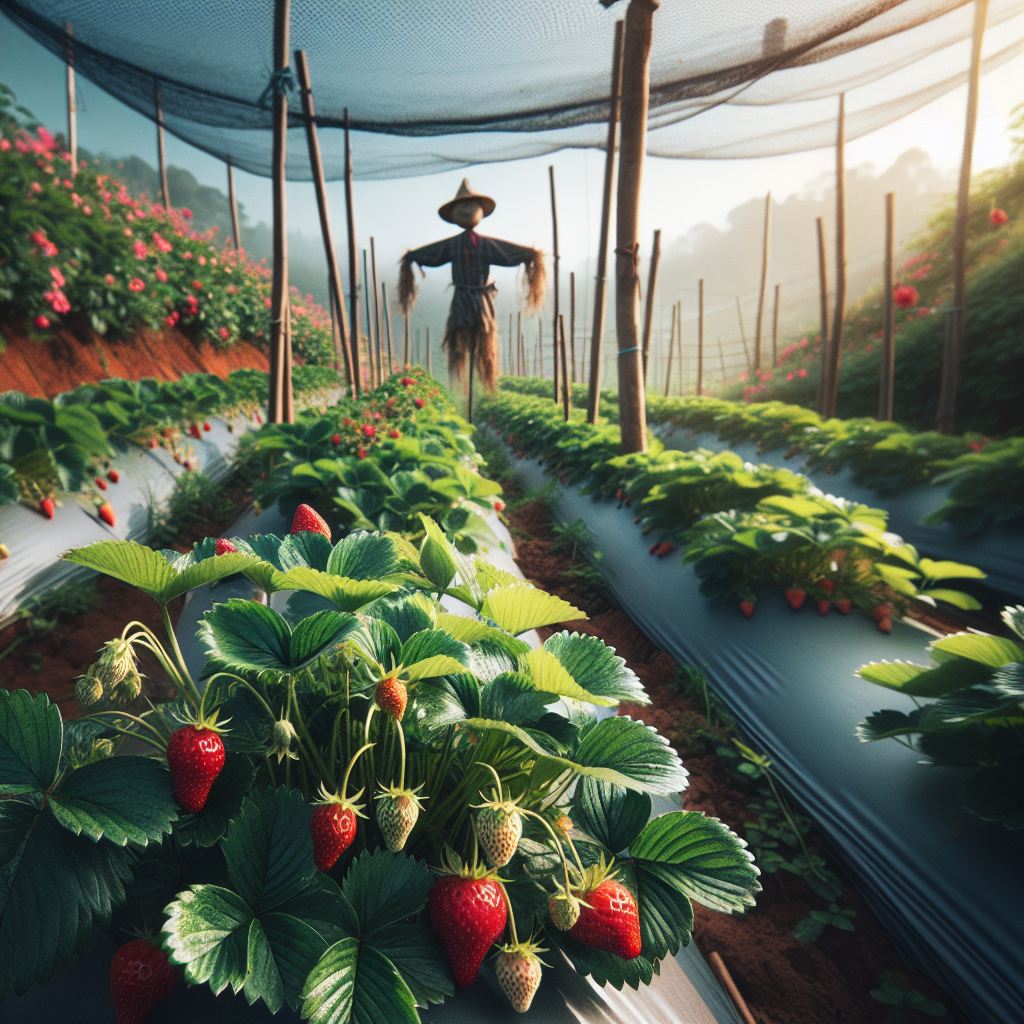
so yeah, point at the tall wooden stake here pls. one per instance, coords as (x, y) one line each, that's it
(679, 333)
(764, 280)
(520, 354)
(407, 362)
(165, 195)
(236, 234)
(540, 347)
(835, 349)
(956, 315)
(353, 265)
(381, 375)
(652, 278)
(700, 336)
(636, 71)
(280, 365)
(387, 329)
(671, 346)
(886, 374)
(317, 167)
(572, 326)
(823, 316)
(566, 399)
(743, 337)
(775, 330)
(721, 359)
(601, 283)
(510, 366)
(556, 260)
(72, 102)
(371, 348)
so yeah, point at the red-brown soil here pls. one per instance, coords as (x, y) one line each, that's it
(43, 369)
(783, 980)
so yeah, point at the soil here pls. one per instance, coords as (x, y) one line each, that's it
(43, 369)
(783, 980)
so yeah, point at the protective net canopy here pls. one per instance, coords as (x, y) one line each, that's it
(436, 86)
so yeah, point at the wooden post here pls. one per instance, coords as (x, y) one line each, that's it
(510, 364)
(353, 265)
(572, 326)
(556, 259)
(371, 348)
(652, 277)
(280, 366)
(316, 165)
(430, 368)
(381, 375)
(636, 69)
(671, 346)
(520, 353)
(72, 102)
(161, 158)
(566, 399)
(835, 349)
(233, 203)
(764, 280)
(775, 330)
(886, 375)
(408, 344)
(700, 336)
(721, 359)
(679, 334)
(540, 347)
(722, 974)
(823, 316)
(956, 322)
(601, 283)
(387, 329)
(743, 337)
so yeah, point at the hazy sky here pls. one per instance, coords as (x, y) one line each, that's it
(401, 213)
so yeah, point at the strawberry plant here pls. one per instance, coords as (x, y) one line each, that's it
(305, 840)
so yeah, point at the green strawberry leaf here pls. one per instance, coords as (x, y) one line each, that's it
(366, 556)
(406, 614)
(433, 643)
(919, 681)
(548, 675)
(417, 953)
(995, 651)
(519, 608)
(590, 658)
(224, 802)
(385, 887)
(346, 595)
(604, 968)
(30, 742)
(666, 914)
(306, 549)
(281, 952)
(613, 815)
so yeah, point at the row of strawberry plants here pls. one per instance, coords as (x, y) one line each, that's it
(64, 446)
(748, 529)
(885, 456)
(248, 843)
(76, 246)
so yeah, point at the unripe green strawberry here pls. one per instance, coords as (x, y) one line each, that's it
(88, 690)
(564, 909)
(397, 812)
(499, 827)
(518, 969)
(392, 696)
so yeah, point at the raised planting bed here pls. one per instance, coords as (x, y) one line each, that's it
(945, 885)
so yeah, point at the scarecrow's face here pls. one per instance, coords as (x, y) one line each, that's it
(467, 213)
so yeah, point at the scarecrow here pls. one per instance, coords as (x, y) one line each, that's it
(472, 329)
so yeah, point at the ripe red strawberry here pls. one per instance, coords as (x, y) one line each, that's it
(665, 548)
(499, 505)
(46, 506)
(747, 607)
(845, 605)
(392, 696)
(881, 611)
(194, 431)
(796, 597)
(336, 440)
(824, 607)
(101, 483)
(309, 519)
(107, 514)
(652, 548)
(827, 585)
(113, 476)
(611, 922)
(195, 755)
(333, 827)
(518, 969)
(885, 625)
(224, 546)
(620, 494)
(207, 427)
(468, 913)
(140, 978)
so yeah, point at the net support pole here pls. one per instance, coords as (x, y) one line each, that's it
(671, 346)
(353, 263)
(743, 336)
(764, 281)
(387, 328)
(823, 314)
(721, 359)
(370, 347)
(165, 195)
(636, 80)
(652, 279)
(280, 368)
(381, 375)
(700, 336)
(236, 234)
(679, 332)
(572, 327)
(72, 101)
(601, 281)
(886, 375)
(566, 400)
(955, 315)
(775, 330)
(835, 348)
(520, 354)
(554, 321)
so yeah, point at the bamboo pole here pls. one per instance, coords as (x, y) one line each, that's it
(835, 350)
(823, 316)
(557, 259)
(233, 203)
(165, 195)
(316, 165)
(572, 326)
(671, 346)
(280, 369)
(743, 337)
(601, 282)
(956, 322)
(764, 281)
(520, 352)
(775, 330)
(886, 375)
(700, 336)
(371, 348)
(723, 975)
(353, 265)
(679, 333)
(387, 328)
(510, 365)
(72, 101)
(636, 69)
(381, 375)
(721, 358)
(566, 398)
(652, 278)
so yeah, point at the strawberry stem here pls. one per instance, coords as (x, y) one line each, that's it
(351, 765)
(401, 744)
(511, 916)
(186, 679)
(558, 844)
(497, 778)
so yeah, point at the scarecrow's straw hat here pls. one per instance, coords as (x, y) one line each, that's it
(466, 192)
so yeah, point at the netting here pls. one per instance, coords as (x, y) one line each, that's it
(432, 86)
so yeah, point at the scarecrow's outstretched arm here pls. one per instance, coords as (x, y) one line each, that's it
(508, 254)
(434, 255)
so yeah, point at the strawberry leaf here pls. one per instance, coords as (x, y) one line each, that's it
(305, 549)
(30, 742)
(519, 608)
(367, 556)
(386, 887)
(346, 595)
(223, 803)
(590, 658)
(417, 954)
(613, 815)
(604, 968)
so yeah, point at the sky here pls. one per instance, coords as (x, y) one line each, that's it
(401, 214)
